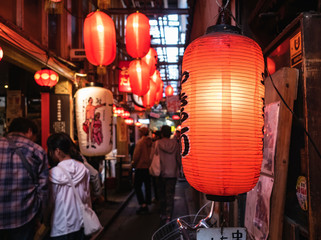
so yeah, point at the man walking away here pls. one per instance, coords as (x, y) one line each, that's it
(141, 162)
(23, 181)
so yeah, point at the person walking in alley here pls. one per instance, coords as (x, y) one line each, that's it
(23, 181)
(170, 165)
(67, 218)
(141, 162)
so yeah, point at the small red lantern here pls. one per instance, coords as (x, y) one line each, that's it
(156, 77)
(139, 77)
(1, 53)
(151, 60)
(175, 117)
(129, 121)
(159, 93)
(125, 114)
(222, 74)
(119, 111)
(99, 38)
(137, 35)
(138, 124)
(169, 91)
(46, 77)
(150, 96)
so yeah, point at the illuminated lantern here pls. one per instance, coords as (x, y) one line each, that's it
(156, 77)
(119, 111)
(129, 121)
(137, 35)
(125, 114)
(159, 93)
(169, 91)
(138, 124)
(150, 96)
(175, 117)
(221, 112)
(46, 78)
(94, 120)
(99, 39)
(151, 60)
(139, 77)
(1, 53)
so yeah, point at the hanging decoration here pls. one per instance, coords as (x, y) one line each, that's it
(159, 93)
(46, 77)
(123, 77)
(150, 96)
(151, 59)
(94, 120)
(125, 114)
(156, 77)
(222, 80)
(100, 40)
(1, 53)
(137, 35)
(119, 111)
(129, 121)
(138, 124)
(169, 91)
(139, 77)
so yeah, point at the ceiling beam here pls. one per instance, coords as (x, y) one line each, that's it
(147, 11)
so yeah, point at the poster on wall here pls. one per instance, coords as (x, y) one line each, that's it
(60, 113)
(94, 120)
(271, 120)
(257, 212)
(14, 102)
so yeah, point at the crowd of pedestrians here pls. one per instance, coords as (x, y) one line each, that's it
(36, 196)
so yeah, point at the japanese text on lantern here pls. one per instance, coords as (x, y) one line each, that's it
(184, 117)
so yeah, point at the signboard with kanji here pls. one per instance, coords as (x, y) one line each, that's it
(221, 234)
(123, 77)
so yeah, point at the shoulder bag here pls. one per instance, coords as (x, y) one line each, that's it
(155, 168)
(91, 221)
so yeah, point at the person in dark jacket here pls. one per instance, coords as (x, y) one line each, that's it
(170, 165)
(141, 162)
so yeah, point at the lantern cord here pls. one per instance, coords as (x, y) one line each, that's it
(228, 1)
(294, 115)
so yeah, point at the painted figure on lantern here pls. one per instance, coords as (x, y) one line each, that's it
(88, 125)
(97, 131)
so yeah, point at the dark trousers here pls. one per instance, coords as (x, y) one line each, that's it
(79, 235)
(142, 177)
(166, 196)
(25, 232)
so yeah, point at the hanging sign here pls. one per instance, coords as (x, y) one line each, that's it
(123, 77)
(229, 233)
(296, 49)
(94, 107)
(301, 192)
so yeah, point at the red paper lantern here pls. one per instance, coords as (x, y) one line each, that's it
(150, 96)
(125, 114)
(169, 91)
(119, 111)
(1, 53)
(151, 60)
(137, 35)
(46, 78)
(139, 77)
(159, 93)
(222, 74)
(156, 77)
(138, 124)
(99, 38)
(129, 121)
(175, 117)
(270, 65)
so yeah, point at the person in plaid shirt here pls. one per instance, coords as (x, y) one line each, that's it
(21, 196)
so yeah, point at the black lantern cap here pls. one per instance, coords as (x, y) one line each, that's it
(217, 198)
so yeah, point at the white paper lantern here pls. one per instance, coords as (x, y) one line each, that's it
(94, 106)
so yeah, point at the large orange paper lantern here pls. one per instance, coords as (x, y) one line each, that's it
(151, 59)
(222, 119)
(46, 78)
(169, 91)
(137, 35)
(150, 96)
(156, 77)
(139, 77)
(99, 38)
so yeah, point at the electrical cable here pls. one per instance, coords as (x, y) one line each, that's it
(294, 115)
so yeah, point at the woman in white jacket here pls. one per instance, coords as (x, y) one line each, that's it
(66, 219)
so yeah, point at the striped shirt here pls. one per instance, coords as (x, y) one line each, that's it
(20, 197)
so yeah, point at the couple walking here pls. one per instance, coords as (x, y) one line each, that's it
(170, 164)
